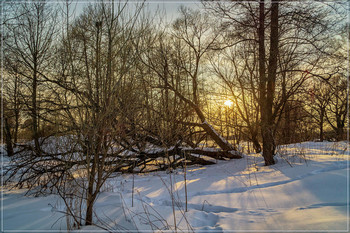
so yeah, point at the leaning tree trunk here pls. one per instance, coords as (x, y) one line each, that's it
(220, 141)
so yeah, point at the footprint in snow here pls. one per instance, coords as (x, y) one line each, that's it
(204, 219)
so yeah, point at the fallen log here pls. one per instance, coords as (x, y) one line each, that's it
(196, 160)
(142, 158)
(220, 154)
(215, 154)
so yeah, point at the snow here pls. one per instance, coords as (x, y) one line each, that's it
(29, 213)
(306, 190)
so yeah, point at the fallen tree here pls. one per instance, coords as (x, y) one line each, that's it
(41, 173)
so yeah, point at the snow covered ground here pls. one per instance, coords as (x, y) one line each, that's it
(307, 190)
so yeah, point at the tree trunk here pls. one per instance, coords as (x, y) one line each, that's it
(340, 128)
(15, 134)
(287, 129)
(90, 193)
(267, 86)
(34, 109)
(271, 83)
(256, 145)
(16, 109)
(340, 133)
(220, 141)
(262, 76)
(89, 212)
(321, 125)
(9, 147)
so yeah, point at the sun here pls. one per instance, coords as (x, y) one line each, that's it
(228, 103)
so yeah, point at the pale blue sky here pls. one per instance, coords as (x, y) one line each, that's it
(171, 7)
(168, 8)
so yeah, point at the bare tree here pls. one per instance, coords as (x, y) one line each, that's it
(98, 72)
(337, 108)
(92, 84)
(177, 61)
(29, 38)
(319, 97)
(298, 38)
(236, 67)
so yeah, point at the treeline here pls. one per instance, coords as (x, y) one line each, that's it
(113, 90)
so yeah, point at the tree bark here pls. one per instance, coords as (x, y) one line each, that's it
(267, 85)
(256, 144)
(262, 76)
(321, 125)
(9, 146)
(34, 107)
(220, 141)
(90, 192)
(271, 83)
(16, 109)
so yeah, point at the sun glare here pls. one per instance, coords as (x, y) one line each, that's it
(228, 103)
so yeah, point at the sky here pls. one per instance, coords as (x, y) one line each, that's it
(167, 8)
